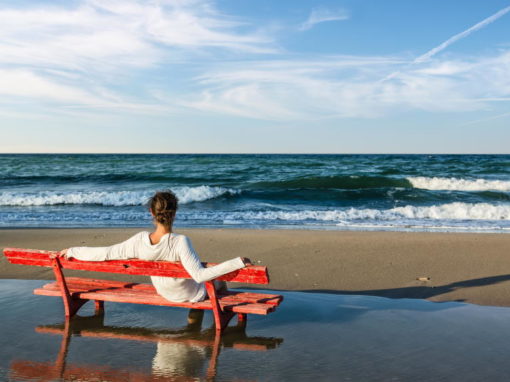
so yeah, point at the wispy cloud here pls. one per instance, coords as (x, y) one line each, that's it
(73, 53)
(348, 87)
(321, 15)
(128, 56)
(120, 33)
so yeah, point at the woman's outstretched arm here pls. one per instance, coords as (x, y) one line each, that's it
(193, 266)
(120, 251)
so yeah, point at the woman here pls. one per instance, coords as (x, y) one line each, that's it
(163, 244)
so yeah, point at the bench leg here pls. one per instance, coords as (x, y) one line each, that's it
(72, 306)
(221, 317)
(98, 307)
(224, 320)
(242, 319)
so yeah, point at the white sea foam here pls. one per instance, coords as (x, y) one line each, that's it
(454, 216)
(455, 211)
(201, 193)
(457, 184)
(451, 211)
(108, 198)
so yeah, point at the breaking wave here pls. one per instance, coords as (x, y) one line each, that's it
(456, 184)
(451, 211)
(109, 198)
(453, 216)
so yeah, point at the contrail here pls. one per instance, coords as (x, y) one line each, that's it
(485, 119)
(424, 57)
(461, 35)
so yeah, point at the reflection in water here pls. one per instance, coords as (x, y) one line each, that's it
(176, 358)
(327, 337)
(181, 354)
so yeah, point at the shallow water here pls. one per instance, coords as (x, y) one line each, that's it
(323, 337)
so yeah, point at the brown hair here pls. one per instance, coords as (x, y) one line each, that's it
(163, 206)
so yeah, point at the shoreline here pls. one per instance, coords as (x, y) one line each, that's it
(460, 266)
(436, 230)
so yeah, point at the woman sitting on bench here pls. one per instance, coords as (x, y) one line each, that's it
(163, 245)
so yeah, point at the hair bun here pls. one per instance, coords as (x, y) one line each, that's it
(163, 206)
(165, 217)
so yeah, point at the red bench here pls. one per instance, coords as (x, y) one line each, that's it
(76, 291)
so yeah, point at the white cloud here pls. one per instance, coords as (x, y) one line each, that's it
(72, 54)
(27, 84)
(23, 85)
(321, 15)
(117, 33)
(447, 68)
(87, 57)
(347, 87)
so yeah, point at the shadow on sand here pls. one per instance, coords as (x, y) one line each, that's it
(421, 291)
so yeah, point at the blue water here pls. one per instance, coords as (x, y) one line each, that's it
(322, 337)
(368, 192)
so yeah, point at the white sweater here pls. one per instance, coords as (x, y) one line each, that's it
(171, 247)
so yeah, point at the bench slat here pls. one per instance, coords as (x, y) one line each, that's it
(250, 275)
(83, 291)
(233, 296)
(146, 297)
(229, 296)
(121, 295)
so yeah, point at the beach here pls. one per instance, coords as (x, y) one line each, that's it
(467, 267)
(383, 261)
(366, 180)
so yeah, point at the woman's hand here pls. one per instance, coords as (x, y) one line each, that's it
(246, 261)
(62, 253)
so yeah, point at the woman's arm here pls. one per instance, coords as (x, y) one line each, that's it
(193, 266)
(120, 251)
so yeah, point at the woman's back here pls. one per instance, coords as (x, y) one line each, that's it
(163, 245)
(171, 247)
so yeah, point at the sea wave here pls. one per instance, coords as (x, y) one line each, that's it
(475, 217)
(455, 211)
(109, 198)
(458, 184)
(98, 177)
(450, 211)
(349, 182)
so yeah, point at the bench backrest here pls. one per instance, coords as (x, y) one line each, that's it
(251, 275)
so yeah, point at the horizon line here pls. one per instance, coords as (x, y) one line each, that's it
(248, 153)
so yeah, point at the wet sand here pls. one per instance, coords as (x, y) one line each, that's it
(465, 267)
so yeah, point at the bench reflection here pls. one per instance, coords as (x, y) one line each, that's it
(180, 353)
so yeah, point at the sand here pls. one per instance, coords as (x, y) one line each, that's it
(467, 267)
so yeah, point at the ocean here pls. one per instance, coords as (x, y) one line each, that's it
(355, 192)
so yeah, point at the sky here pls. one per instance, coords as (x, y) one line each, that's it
(265, 76)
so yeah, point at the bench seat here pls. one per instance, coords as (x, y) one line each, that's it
(117, 291)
